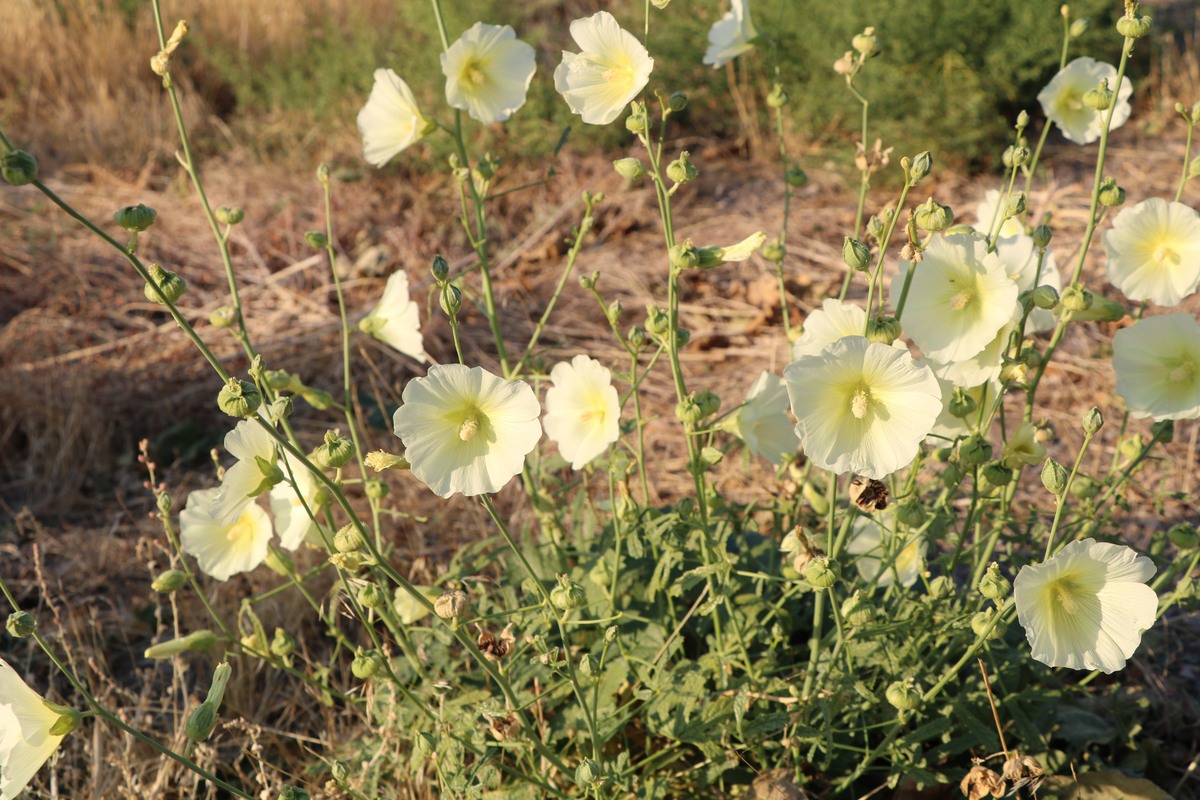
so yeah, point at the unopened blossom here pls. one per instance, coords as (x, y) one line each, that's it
(731, 35)
(396, 320)
(488, 70)
(390, 121)
(762, 422)
(582, 410)
(959, 298)
(1157, 362)
(254, 448)
(875, 539)
(610, 71)
(862, 407)
(1087, 606)
(1153, 251)
(466, 430)
(223, 549)
(30, 731)
(1062, 99)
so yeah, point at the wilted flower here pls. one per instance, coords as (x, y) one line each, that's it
(221, 548)
(959, 299)
(1062, 99)
(582, 409)
(396, 321)
(254, 473)
(611, 70)
(1086, 607)
(465, 429)
(390, 121)
(763, 423)
(1022, 447)
(288, 502)
(986, 213)
(868, 537)
(1153, 251)
(488, 71)
(30, 731)
(862, 407)
(1157, 362)
(731, 35)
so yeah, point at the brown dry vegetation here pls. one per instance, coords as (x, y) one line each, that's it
(91, 367)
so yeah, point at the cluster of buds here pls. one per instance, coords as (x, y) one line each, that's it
(863, 46)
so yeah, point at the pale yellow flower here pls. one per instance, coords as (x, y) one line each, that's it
(223, 549)
(254, 448)
(611, 70)
(1022, 448)
(986, 213)
(292, 522)
(763, 422)
(1153, 251)
(1157, 362)
(1087, 606)
(582, 410)
(390, 121)
(731, 35)
(1019, 256)
(875, 541)
(465, 429)
(26, 740)
(1062, 99)
(488, 71)
(396, 320)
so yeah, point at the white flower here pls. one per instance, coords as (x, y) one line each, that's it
(465, 429)
(947, 426)
(862, 407)
(488, 71)
(1062, 99)
(25, 738)
(986, 364)
(396, 320)
(223, 549)
(253, 447)
(1157, 362)
(1019, 256)
(611, 70)
(390, 121)
(1022, 448)
(1086, 607)
(959, 299)
(763, 422)
(582, 409)
(731, 35)
(833, 320)
(292, 522)
(868, 535)
(1153, 251)
(986, 213)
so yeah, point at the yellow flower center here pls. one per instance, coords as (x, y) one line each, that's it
(473, 72)
(1065, 592)
(1164, 253)
(593, 416)
(241, 528)
(961, 300)
(860, 402)
(618, 72)
(1183, 373)
(469, 426)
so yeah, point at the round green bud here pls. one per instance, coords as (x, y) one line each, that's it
(1084, 487)
(340, 772)
(903, 695)
(1045, 297)
(677, 102)
(940, 587)
(1076, 298)
(922, 165)
(1110, 194)
(856, 255)
(1099, 98)
(994, 586)
(1133, 26)
(440, 269)
(629, 168)
(1184, 536)
(136, 218)
(708, 401)
(657, 321)
(294, 793)
(170, 581)
(366, 664)
(932, 216)
(637, 122)
(1022, 120)
(1015, 205)
(451, 300)
(230, 215)
(335, 453)
(821, 572)
(866, 44)
(883, 330)
(21, 624)
(778, 96)
(682, 170)
(1093, 421)
(19, 168)
(876, 227)
(587, 773)
(688, 411)
(997, 474)
(795, 177)
(172, 286)
(316, 240)
(962, 405)
(282, 645)
(773, 252)
(857, 609)
(1079, 27)
(239, 398)
(952, 475)
(1041, 236)
(349, 539)
(684, 255)
(983, 620)
(371, 596)
(223, 317)
(567, 595)
(376, 489)
(911, 514)
(974, 450)
(1019, 155)
(610, 634)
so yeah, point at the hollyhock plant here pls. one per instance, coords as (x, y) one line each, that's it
(1087, 606)
(223, 549)
(1157, 362)
(731, 35)
(959, 299)
(1153, 251)
(762, 422)
(582, 410)
(488, 71)
(867, 541)
(862, 407)
(611, 70)
(396, 320)
(31, 729)
(1062, 99)
(390, 121)
(466, 430)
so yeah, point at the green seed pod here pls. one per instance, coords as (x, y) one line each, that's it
(883, 330)
(1184, 536)
(1045, 297)
(567, 595)
(688, 411)
(366, 664)
(19, 168)
(340, 772)
(201, 722)
(684, 255)
(962, 405)
(223, 317)
(451, 300)
(173, 286)
(230, 215)
(1076, 298)
(348, 539)
(170, 581)
(682, 170)
(911, 514)
(974, 450)
(856, 255)
(795, 177)
(440, 269)
(774, 252)
(638, 121)
(932, 216)
(1015, 205)
(821, 572)
(376, 489)
(994, 586)
(858, 610)
(629, 168)
(1133, 26)
(136, 218)
(239, 398)
(316, 240)
(903, 695)
(997, 474)
(922, 165)
(941, 586)
(1099, 98)
(981, 621)
(371, 596)
(1093, 421)
(1111, 194)
(708, 401)
(587, 773)
(294, 793)
(452, 605)
(21, 625)
(1054, 477)
(1042, 236)
(335, 453)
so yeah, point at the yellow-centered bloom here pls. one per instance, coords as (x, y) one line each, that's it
(1062, 99)
(396, 321)
(223, 549)
(1157, 362)
(582, 410)
(488, 71)
(1153, 251)
(611, 70)
(30, 731)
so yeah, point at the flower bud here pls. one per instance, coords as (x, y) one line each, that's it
(795, 177)
(774, 252)
(294, 793)
(349, 539)
(587, 773)
(856, 255)
(610, 634)
(858, 609)
(451, 300)
(962, 405)
(974, 450)
(1054, 477)
(994, 586)
(376, 489)
(932, 217)
(196, 642)
(1110, 194)
(588, 666)
(172, 286)
(883, 330)
(677, 102)
(1084, 487)
(629, 168)
(567, 595)
(371, 596)
(365, 664)
(682, 170)
(229, 215)
(1163, 431)
(903, 695)
(1100, 98)
(279, 562)
(638, 121)
(1184, 536)
(778, 96)
(223, 317)
(136, 218)
(1041, 236)
(170, 581)
(1079, 27)
(952, 475)
(997, 474)
(875, 227)
(1022, 120)
(688, 411)
(282, 645)
(239, 398)
(1076, 298)
(983, 620)
(1134, 26)
(866, 44)
(201, 722)
(1102, 309)
(316, 240)
(18, 168)
(911, 514)
(21, 625)
(452, 605)
(821, 572)
(657, 321)
(340, 772)
(1045, 297)
(1093, 421)
(922, 165)
(1015, 205)
(941, 586)
(335, 453)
